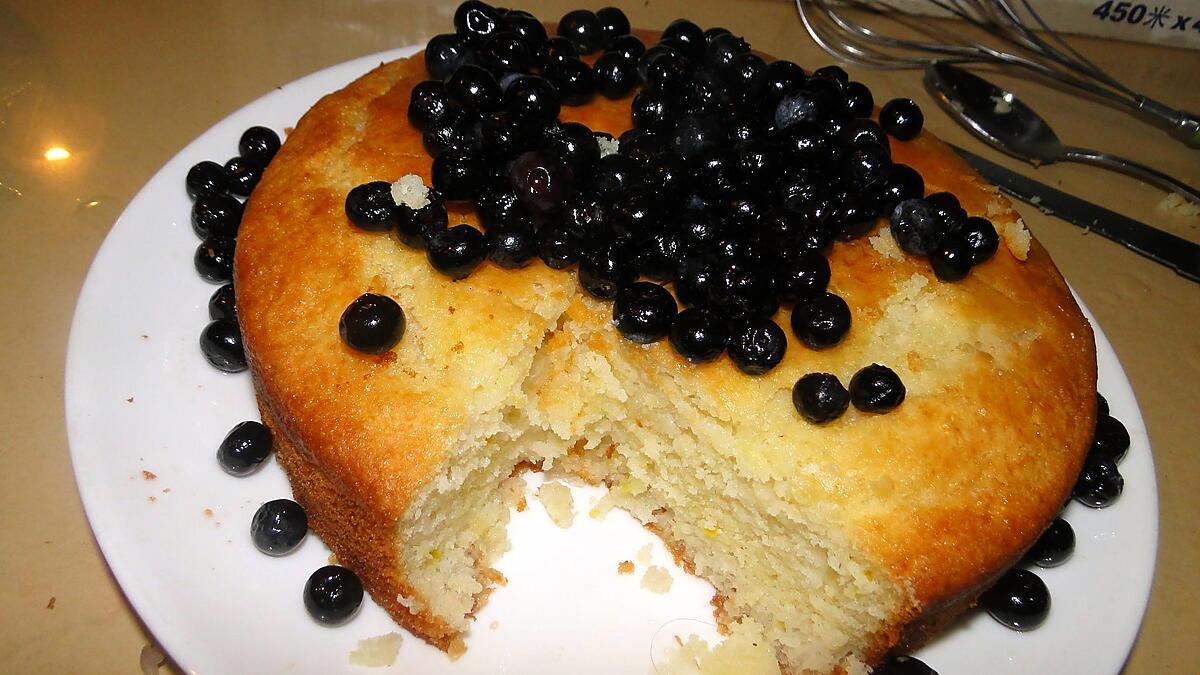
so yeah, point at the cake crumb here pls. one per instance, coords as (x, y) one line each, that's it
(333, 559)
(885, 244)
(1017, 238)
(148, 475)
(150, 659)
(129, 400)
(410, 190)
(1178, 205)
(625, 567)
(745, 652)
(657, 579)
(494, 625)
(208, 513)
(512, 493)
(559, 503)
(643, 554)
(376, 652)
(456, 649)
(601, 508)
(50, 605)
(607, 147)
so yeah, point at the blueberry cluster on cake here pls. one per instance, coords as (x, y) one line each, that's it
(792, 333)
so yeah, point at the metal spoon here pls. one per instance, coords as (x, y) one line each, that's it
(1000, 118)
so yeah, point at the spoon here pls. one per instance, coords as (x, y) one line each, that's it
(1000, 118)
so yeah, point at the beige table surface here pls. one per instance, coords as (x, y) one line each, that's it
(123, 86)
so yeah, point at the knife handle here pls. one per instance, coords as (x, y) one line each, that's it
(1140, 171)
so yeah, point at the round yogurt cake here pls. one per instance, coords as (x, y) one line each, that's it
(831, 545)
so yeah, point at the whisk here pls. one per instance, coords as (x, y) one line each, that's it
(1048, 56)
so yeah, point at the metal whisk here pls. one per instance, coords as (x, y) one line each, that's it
(1048, 56)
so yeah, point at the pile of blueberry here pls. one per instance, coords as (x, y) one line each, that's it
(332, 594)
(732, 187)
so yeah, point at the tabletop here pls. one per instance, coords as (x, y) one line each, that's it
(95, 97)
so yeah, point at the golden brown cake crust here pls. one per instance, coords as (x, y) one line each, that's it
(945, 492)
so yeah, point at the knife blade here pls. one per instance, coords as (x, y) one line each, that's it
(1175, 252)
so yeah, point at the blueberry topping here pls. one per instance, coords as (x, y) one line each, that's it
(916, 226)
(721, 48)
(415, 228)
(1100, 483)
(457, 251)
(243, 175)
(430, 105)
(259, 145)
(876, 389)
(859, 101)
(512, 246)
(576, 146)
(653, 110)
(981, 237)
(504, 52)
(902, 118)
(613, 24)
(821, 322)
(216, 215)
(1019, 600)
(558, 247)
(372, 324)
(699, 335)
(222, 304)
(244, 448)
(951, 260)
(278, 527)
(903, 665)
(333, 593)
(1054, 546)
(615, 75)
(757, 345)
(206, 177)
(948, 210)
(445, 53)
(574, 79)
(370, 206)
(459, 129)
(583, 28)
(695, 134)
(474, 88)
(901, 182)
(556, 51)
(527, 27)
(643, 312)
(476, 20)
(836, 73)
(1101, 405)
(782, 78)
(605, 272)
(804, 278)
(867, 164)
(1111, 439)
(214, 259)
(221, 344)
(820, 397)
(541, 180)
(533, 100)
(498, 205)
(457, 174)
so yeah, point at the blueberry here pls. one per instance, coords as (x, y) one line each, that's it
(757, 345)
(866, 165)
(903, 665)
(459, 129)
(258, 144)
(370, 206)
(615, 75)
(1019, 600)
(502, 137)
(415, 228)
(916, 226)
(445, 53)
(669, 176)
(797, 106)
(803, 278)
(697, 277)
(527, 27)
(747, 76)
(533, 100)
(504, 52)
(744, 287)
(660, 254)
(654, 111)
(833, 72)
(541, 180)
(457, 251)
(214, 259)
(782, 78)
(695, 134)
(576, 146)
(859, 101)
(1101, 405)
(1111, 439)
(902, 118)
(629, 47)
(951, 260)
(556, 51)
(558, 247)
(1100, 483)
(901, 182)
(721, 48)
(820, 397)
(643, 312)
(981, 237)
(862, 132)
(222, 304)
(430, 104)
(243, 174)
(822, 321)
(583, 29)
(605, 272)
(613, 24)
(474, 88)
(699, 335)
(333, 594)
(806, 142)
(805, 199)
(948, 209)
(457, 174)
(221, 344)
(278, 527)
(1054, 546)
(615, 177)
(372, 324)
(574, 79)
(476, 20)
(216, 214)
(512, 246)
(244, 448)
(876, 389)
(206, 178)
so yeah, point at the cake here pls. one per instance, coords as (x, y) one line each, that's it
(831, 545)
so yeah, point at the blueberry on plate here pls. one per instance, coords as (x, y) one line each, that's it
(214, 259)
(278, 527)
(1019, 600)
(333, 595)
(221, 344)
(259, 144)
(244, 448)
(243, 174)
(903, 665)
(223, 303)
(206, 177)
(1054, 546)
(216, 214)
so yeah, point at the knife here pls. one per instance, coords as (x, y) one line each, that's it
(1175, 252)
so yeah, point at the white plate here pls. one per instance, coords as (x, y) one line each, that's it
(140, 398)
